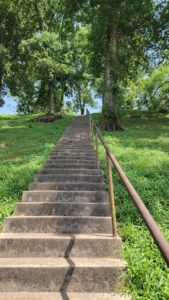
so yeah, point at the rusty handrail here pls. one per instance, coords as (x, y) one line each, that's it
(152, 226)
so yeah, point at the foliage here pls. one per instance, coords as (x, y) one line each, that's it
(150, 92)
(142, 151)
(82, 97)
(24, 146)
(48, 47)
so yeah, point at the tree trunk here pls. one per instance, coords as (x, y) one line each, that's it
(1, 91)
(82, 110)
(111, 119)
(81, 106)
(51, 99)
(1, 86)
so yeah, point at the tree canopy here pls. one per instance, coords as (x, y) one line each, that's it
(52, 49)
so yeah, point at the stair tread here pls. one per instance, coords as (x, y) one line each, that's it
(61, 296)
(57, 217)
(53, 262)
(26, 235)
(60, 203)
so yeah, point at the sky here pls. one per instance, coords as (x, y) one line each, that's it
(10, 106)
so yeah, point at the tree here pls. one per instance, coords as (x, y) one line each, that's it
(83, 97)
(47, 61)
(152, 91)
(119, 36)
(15, 25)
(51, 60)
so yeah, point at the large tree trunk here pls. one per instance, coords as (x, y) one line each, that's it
(82, 109)
(81, 104)
(1, 91)
(111, 119)
(51, 99)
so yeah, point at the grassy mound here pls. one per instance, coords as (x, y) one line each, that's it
(24, 146)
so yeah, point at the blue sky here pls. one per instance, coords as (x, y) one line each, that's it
(10, 106)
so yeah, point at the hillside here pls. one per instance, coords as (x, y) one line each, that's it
(24, 146)
(143, 152)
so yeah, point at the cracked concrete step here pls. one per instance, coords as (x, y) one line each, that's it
(71, 171)
(74, 165)
(67, 196)
(61, 296)
(51, 245)
(62, 209)
(55, 274)
(58, 224)
(62, 186)
(69, 178)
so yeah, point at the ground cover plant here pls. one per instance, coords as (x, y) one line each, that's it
(24, 146)
(143, 152)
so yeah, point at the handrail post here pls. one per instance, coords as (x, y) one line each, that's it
(111, 195)
(90, 125)
(97, 149)
(92, 133)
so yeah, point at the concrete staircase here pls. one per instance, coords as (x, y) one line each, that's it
(59, 243)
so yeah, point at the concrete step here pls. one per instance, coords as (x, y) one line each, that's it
(67, 196)
(67, 165)
(59, 274)
(58, 224)
(62, 209)
(61, 296)
(74, 145)
(89, 172)
(72, 160)
(73, 157)
(51, 245)
(75, 149)
(74, 153)
(62, 186)
(69, 178)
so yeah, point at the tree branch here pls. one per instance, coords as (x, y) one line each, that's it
(160, 87)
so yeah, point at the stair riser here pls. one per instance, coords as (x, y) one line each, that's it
(67, 186)
(72, 161)
(71, 172)
(70, 166)
(58, 225)
(71, 157)
(62, 209)
(74, 146)
(37, 247)
(73, 153)
(68, 178)
(51, 279)
(51, 196)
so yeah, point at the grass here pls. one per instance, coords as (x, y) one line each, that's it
(24, 146)
(143, 152)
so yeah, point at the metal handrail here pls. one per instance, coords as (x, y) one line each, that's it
(152, 226)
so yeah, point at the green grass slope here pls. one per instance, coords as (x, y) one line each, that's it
(24, 146)
(143, 152)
